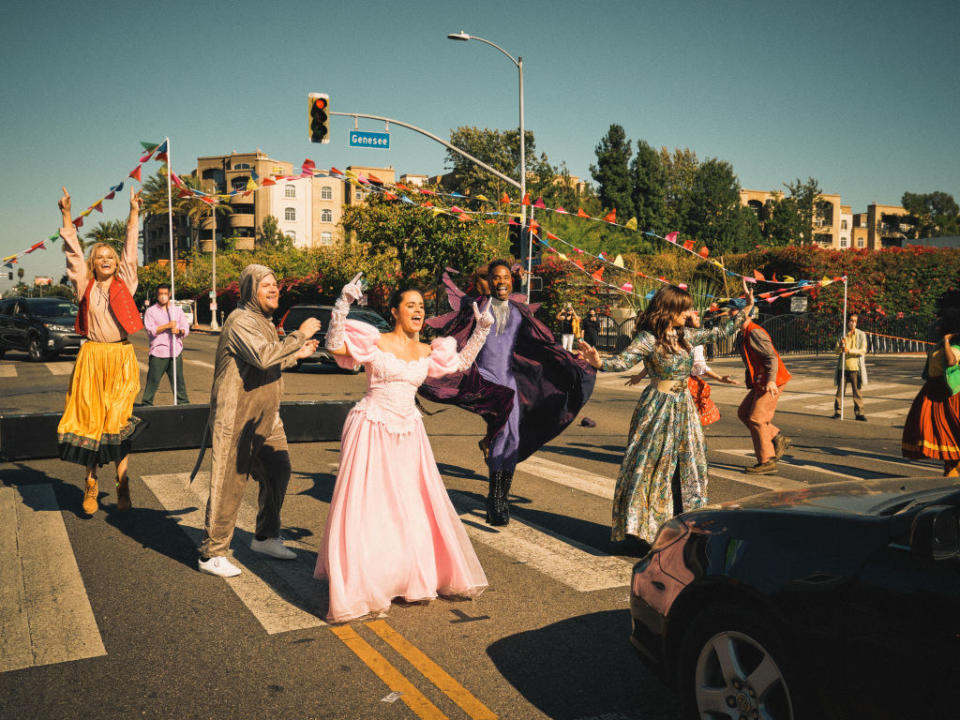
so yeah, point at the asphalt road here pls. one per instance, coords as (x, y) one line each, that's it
(108, 618)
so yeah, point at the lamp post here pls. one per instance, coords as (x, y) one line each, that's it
(518, 61)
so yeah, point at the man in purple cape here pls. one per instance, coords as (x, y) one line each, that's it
(523, 383)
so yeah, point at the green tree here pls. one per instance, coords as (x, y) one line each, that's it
(112, 232)
(932, 214)
(649, 182)
(421, 243)
(500, 149)
(680, 169)
(612, 172)
(715, 217)
(193, 211)
(269, 235)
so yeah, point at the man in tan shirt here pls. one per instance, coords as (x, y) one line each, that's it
(852, 351)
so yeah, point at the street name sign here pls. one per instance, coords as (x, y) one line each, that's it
(359, 138)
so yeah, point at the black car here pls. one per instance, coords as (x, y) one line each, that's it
(841, 600)
(293, 317)
(42, 326)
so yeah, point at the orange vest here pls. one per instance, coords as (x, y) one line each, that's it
(756, 368)
(121, 304)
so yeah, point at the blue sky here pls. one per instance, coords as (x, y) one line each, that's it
(861, 95)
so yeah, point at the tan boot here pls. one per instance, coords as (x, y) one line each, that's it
(90, 505)
(123, 494)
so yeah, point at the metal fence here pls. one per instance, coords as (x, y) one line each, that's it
(802, 333)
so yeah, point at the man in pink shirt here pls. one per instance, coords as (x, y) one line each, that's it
(166, 327)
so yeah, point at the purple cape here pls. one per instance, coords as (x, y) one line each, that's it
(552, 384)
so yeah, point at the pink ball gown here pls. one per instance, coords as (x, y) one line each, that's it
(392, 531)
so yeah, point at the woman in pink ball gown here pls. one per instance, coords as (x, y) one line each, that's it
(392, 531)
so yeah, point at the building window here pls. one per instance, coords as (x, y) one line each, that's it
(326, 238)
(239, 184)
(843, 242)
(243, 166)
(326, 193)
(290, 214)
(326, 216)
(290, 191)
(860, 242)
(291, 234)
(357, 195)
(843, 224)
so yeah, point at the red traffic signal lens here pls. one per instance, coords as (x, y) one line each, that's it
(320, 103)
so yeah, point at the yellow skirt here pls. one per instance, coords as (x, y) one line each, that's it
(98, 416)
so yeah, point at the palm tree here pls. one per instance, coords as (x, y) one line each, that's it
(113, 232)
(194, 210)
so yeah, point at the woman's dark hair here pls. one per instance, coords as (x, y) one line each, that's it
(658, 317)
(499, 262)
(396, 297)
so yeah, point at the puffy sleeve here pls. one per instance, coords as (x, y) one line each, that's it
(361, 340)
(443, 358)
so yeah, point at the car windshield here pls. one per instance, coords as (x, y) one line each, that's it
(297, 315)
(371, 317)
(49, 307)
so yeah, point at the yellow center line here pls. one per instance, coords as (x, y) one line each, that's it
(393, 678)
(433, 672)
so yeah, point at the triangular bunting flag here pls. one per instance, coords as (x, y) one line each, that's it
(110, 195)
(627, 287)
(463, 217)
(504, 199)
(598, 275)
(581, 213)
(98, 206)
(135, 174)
(148, 146)
(184, 193)
(36, 246)
(688, 244)
(162, 147)
(631, 224)
(251, 184)
(551, 236)
(334, 171)
(539, 203)
(267, 182)
(389, 196)
(672, 237)
(482, 198)
(757, 275)
(526, 199)
(611, 217)
(162, 157)
(618, 261)
(578, 263)
(559, 209)
(704, 251)
(456, 209)
(78, 222)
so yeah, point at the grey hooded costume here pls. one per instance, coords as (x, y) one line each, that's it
(247, 434)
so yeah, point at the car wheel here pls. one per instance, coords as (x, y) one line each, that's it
(733, 665)
(35, 349)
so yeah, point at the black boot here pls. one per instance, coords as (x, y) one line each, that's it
(498, 512)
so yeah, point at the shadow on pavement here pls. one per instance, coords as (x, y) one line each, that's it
(589, 452)
(584, 667)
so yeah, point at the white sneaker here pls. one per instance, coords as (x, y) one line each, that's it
(218, 566)
(273, 547)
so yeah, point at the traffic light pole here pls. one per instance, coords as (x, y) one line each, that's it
(443, 142)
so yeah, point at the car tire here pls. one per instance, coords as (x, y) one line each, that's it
(734, 663)
(35, 349)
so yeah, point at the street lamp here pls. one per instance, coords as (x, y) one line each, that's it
(518, 61)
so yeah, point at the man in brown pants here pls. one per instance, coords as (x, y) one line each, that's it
(765, 377)
(247, 433)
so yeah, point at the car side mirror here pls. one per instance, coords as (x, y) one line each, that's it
(936, 532)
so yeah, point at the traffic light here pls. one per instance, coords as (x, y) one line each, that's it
(516, 245)
(319, 117)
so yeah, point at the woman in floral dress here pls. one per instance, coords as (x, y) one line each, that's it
(664, 469)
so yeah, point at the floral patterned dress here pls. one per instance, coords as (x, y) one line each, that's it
(666, 437)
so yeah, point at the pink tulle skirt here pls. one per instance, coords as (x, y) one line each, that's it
(392, 531)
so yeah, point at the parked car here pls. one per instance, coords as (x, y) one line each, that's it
(841, 600)
(42, 326)
(187, 307)
(293, 317)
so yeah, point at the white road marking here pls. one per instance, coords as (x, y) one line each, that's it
(8, 371)
(766, 482)
(59, 368)
(748, 453)
(887, 414)
(272, 607)
(201, 363)
(45, 615)
(570, 477)
(574, 564)
(902, 463)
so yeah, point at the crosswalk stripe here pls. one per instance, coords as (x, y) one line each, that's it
(201, 363)
(8, 371)
(571, 563)
(271, 607)
(433, 672)
(887, 414)
(59, 368)
(569, 476)
(765, 482)
(45, 614)
(796, 465)
(901, 463)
